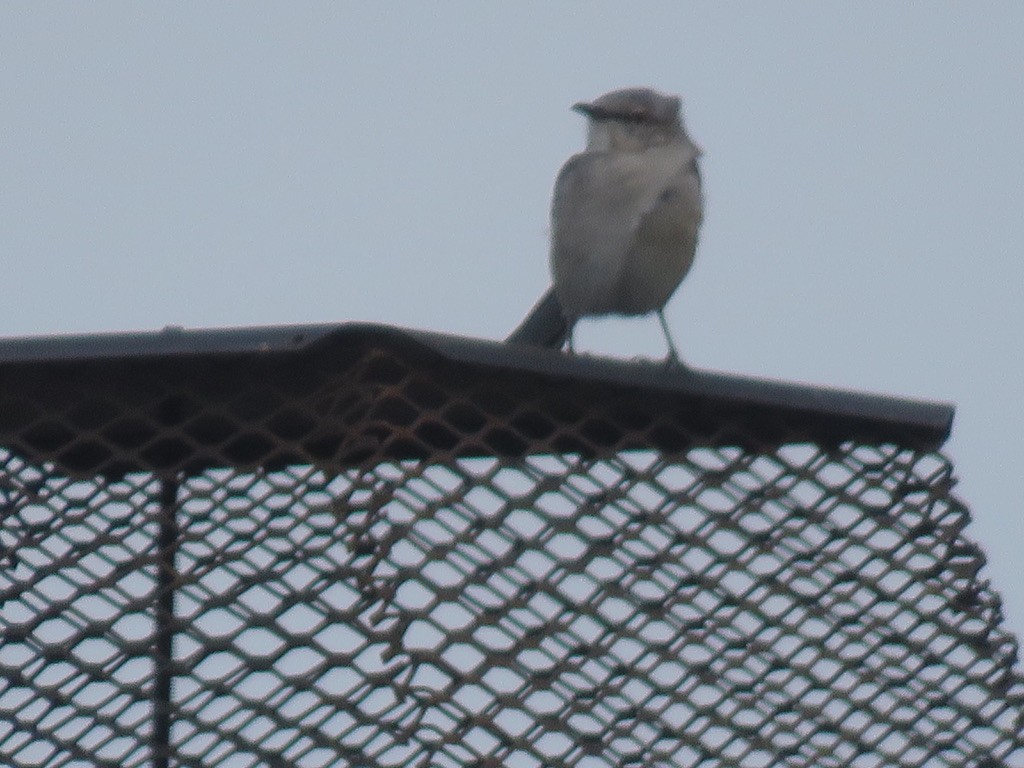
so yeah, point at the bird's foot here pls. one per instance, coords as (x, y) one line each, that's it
(673, 362)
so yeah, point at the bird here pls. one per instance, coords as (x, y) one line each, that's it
(625, 215)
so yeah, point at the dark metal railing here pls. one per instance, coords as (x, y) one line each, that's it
(359, 545)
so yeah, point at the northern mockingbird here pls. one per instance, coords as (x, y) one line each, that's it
(624, 217)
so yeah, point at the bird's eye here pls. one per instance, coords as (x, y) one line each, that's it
(635, 117)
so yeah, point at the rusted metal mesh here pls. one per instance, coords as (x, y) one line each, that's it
(791, 604)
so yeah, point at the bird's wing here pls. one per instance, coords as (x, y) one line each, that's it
(599, 201)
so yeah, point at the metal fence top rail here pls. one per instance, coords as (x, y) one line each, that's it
(72, 371)
(358, 545)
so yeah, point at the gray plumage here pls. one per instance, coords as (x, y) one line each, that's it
(544, 326)
(624, 216)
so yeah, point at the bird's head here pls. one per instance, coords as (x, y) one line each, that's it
(632, 119)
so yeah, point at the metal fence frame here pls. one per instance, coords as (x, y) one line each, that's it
(176, 404)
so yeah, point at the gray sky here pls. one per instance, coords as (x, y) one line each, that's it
(249, 163)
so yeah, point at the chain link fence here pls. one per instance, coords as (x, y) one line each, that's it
(358, 546)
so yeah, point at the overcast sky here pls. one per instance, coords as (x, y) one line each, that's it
(236, 164)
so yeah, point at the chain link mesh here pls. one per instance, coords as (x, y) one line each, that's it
(460, 579)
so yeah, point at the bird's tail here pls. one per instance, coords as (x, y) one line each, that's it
(544, 326)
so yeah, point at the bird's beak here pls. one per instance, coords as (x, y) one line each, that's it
(584, 108)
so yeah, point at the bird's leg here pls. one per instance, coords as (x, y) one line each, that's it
(569, 344)
(673, 359)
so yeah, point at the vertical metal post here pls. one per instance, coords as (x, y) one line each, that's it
(163, 654)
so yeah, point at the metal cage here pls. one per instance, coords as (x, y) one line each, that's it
(363, 546)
